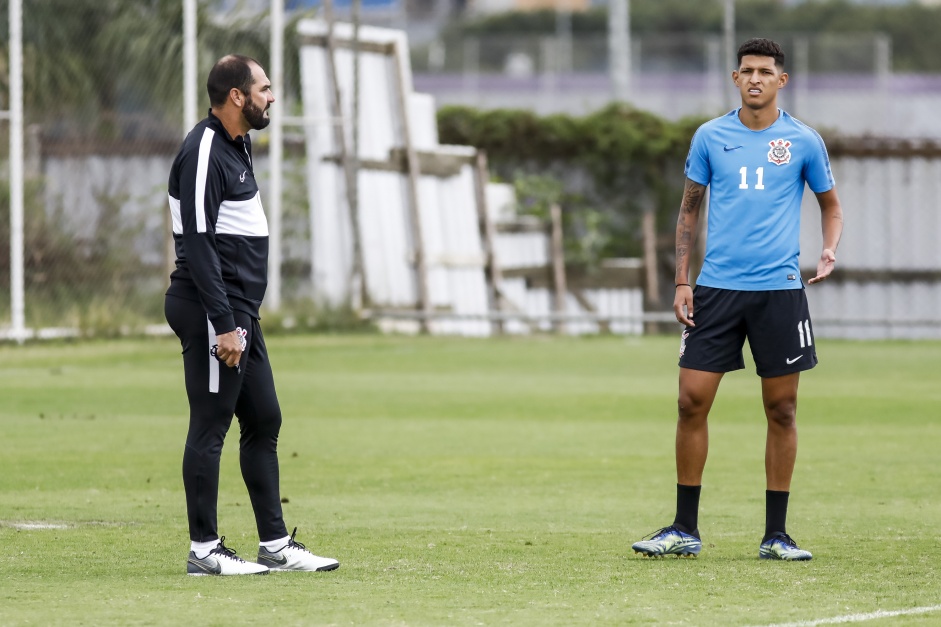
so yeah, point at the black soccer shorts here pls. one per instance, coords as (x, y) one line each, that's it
(775, 322)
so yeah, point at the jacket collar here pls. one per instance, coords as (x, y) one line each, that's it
(216, 124)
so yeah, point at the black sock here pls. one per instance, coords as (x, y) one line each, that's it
(687, 508)
(775, 513)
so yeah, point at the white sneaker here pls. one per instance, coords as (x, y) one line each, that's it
(295, 556)
(222, 561)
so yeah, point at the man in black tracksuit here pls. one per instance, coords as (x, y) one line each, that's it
(221, 238)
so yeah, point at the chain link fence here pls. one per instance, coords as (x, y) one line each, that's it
(838, 81)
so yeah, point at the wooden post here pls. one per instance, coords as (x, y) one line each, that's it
(604, 325)
(421, 267)
(359, 268)
(509, 305)
(652, 291)
(557, 254)
(492, 271)
(350, 165)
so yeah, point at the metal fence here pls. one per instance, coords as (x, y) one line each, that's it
(524, 54)
(103, 118)
(842, 82)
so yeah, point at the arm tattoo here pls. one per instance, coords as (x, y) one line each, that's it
(686, 225)
(692, 197)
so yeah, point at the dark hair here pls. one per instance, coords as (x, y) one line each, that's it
(233, 70)
(762, 48)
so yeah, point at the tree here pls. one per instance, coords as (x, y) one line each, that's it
(113, 68)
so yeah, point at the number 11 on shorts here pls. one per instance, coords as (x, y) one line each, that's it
(803, 331)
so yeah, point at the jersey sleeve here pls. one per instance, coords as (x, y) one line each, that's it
(202, 188)
(817, 170)
(698, 168)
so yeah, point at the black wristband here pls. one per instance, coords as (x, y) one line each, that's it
(679, 284)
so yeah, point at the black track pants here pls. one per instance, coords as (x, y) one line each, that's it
(215, 393)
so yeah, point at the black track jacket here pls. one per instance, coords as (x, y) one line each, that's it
(219, 227)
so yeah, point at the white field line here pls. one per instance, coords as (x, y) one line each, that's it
(32, 526)
(859, 618)
(35, 525)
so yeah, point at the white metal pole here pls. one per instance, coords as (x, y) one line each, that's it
(17, 292)
(884, 78)
(619, 48)
(563, 37)
(189, 66)
(276, 158)
(190, 78)
(359, 299)
(728, 50)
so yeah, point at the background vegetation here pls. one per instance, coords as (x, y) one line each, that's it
(112, 69)
(606, 170)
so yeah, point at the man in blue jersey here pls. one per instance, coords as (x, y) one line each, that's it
(755, 161)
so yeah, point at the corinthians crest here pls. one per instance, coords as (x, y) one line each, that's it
(779, 153)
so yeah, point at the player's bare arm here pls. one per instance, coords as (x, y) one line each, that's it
(831, 220)
(687, 225)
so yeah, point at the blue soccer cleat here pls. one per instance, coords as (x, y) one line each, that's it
(669, 541)
(782, 547)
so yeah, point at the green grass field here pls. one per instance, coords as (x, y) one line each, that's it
(470, 482)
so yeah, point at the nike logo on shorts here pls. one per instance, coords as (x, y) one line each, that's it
(791, 361)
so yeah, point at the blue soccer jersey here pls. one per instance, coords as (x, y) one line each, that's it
(756, 182)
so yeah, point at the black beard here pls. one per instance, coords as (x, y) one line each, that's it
(255, 115)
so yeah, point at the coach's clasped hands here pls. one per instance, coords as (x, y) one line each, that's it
(229, 348)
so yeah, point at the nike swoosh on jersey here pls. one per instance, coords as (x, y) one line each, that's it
(791, 361)
(731, 148)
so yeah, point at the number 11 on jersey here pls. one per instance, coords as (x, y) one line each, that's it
(761, 177)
